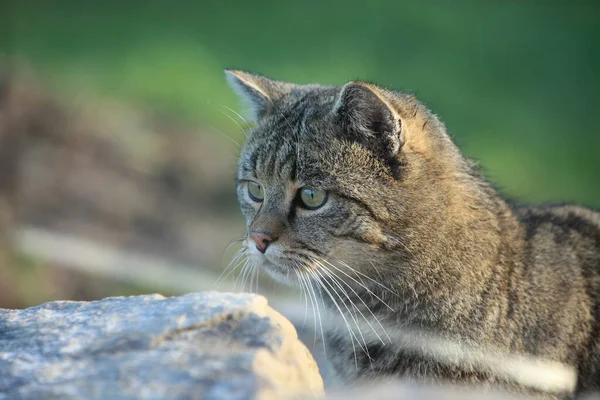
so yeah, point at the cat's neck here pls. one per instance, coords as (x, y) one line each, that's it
(451, 259)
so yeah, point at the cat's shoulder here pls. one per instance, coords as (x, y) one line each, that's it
(563, 217)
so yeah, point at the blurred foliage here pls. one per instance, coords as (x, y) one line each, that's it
(516, 82)
(35, 282)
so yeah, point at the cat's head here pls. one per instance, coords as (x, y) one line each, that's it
(338, 180)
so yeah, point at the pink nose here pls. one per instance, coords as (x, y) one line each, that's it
(261, 240)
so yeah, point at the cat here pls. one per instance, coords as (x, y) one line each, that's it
(359, 196)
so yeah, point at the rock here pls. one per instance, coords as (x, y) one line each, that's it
(206, 345)
(307, 328)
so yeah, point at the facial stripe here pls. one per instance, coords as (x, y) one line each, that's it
(361, 204)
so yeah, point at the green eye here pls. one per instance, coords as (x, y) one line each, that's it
(313, 198)
(255, 191)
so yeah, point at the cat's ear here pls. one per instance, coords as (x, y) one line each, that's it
(259, 93)
(365, 110)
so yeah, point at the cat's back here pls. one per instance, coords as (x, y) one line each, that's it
(562, 250)
(562, 270)
(563, 228)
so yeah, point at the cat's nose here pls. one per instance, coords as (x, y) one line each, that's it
(261, 240)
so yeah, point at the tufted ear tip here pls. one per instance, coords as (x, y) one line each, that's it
(230, 73)
(258, 92)
(252, 89)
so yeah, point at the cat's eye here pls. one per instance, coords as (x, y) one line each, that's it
(313, 198)
(255, 191)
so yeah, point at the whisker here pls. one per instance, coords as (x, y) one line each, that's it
(228, 116)
(312, 301)
(398, 241)
(248, 277)
(308, 283)
(236, 113)
(352, 315)
(363, 286)
(233, 263)
(305, 306)
(334, 277)
(303, 295)
(238, 254)
(239, 277)
(225, 136)
(319, 315)
(352, 336)
(257, 278)
(232, 270)
(286, 121)
(376, 269)
(251, 279)
(244, 275)
(234, 121)
(366, 276)
(232, 242)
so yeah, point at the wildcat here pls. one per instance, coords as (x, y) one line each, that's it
(359, 196)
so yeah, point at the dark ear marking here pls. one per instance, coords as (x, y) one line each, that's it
(259, 93)
(366, 113)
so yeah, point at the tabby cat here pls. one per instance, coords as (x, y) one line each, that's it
(359, 196)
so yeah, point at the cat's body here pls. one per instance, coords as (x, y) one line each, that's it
(410, 244)
(540, 297)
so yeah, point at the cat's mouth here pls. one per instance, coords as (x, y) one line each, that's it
(284, 268)
(281, 271)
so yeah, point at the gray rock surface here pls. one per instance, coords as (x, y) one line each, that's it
(207, 345)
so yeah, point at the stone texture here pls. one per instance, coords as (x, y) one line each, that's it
(207, 345)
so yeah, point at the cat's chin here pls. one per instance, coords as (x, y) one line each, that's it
(281, 272)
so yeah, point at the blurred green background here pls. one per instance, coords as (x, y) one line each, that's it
(517, 83)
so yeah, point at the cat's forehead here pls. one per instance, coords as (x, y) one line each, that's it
(289, 149)
(298, 112)
(302, 141)
(301, 124)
